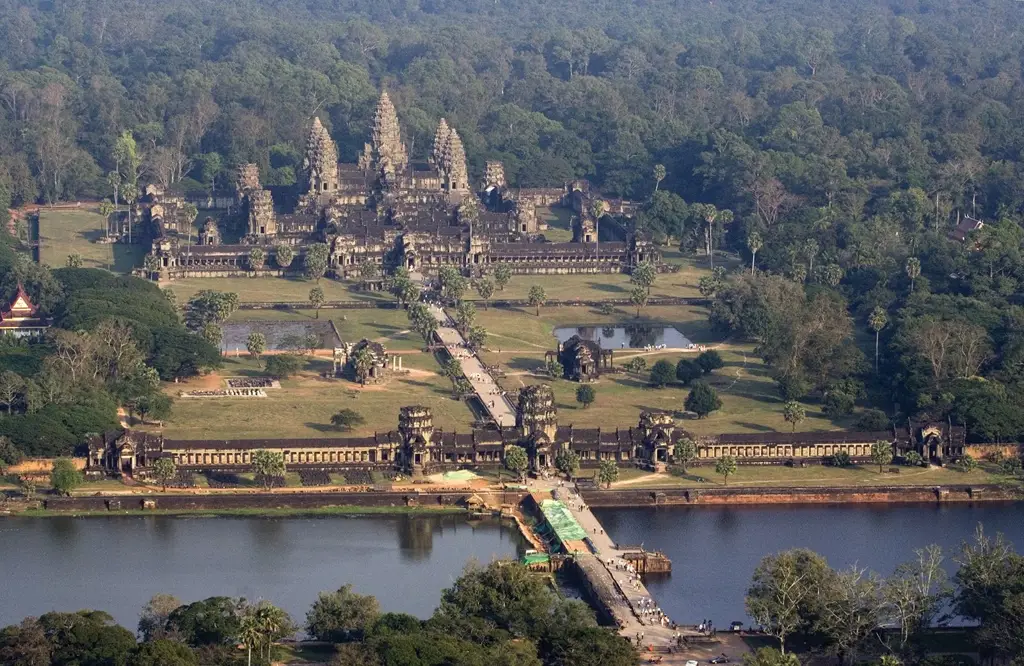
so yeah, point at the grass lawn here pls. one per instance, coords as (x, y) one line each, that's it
(302, 408)
(65, 232)
(390, 327)
(813, 476)
(270, 289)
(750, 402)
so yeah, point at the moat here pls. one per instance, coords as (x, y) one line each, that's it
(120, 562)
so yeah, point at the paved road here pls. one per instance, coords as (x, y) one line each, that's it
(497, 405)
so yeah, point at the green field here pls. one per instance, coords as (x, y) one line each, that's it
(66, 232)
(270, 289)
(518, 340)
(304, 405)
(387, 326)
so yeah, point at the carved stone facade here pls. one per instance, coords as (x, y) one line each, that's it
(417, 445)
(582, 360)
(393, 212)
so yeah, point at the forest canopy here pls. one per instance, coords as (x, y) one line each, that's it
(835, 144)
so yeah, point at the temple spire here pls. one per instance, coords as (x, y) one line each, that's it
(458, 178)
(441, 143)
(387, 136)
(321, 160)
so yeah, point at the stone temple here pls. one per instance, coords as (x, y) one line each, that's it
(390, 211)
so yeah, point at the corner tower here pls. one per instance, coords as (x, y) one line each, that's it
(321, 160)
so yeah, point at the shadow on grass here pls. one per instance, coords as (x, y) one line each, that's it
(759, 427)
(325, 428)
(525, 364)
(609, 288)
(676, 414)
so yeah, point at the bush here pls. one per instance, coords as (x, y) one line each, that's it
(282, 366)
(913, 459)
(662, 374)
(837, 403)
(687, 371)
(873, 420)
(710, 361)
(841, 459)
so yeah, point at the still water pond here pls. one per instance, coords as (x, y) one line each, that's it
(634, 336)
(714, 550)
(117, 563)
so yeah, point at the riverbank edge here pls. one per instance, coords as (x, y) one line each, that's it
(252, 512)
(754, 496)
(377, 503)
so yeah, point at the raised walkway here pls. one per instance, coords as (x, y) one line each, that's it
(496, 404)
(608, 574)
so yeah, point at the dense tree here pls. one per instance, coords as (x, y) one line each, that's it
(64, 476)
(164, 471)
(784, 587)
(684, 452)
(568, 462)
(585, 395)
(702, 400)
(162, 653)
(342, 615)
(662, 374)
(316, 261)
(212, 621)
(516, 460)
(282, 366)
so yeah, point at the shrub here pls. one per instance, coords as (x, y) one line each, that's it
(710, 361)
(837, 403)
(687, 371)
(662, 374)
(282, 366)
(873, 420)
(841, 459)
(913, 459)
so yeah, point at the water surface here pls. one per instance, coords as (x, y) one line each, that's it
(118, 563)
(714, 550)
(635, 336)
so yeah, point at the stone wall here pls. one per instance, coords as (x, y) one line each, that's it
(764, 496)
(984, 451)
(298, 500)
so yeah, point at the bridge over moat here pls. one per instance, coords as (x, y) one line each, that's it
(610, 573)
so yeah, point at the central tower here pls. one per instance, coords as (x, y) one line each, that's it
(386, 150)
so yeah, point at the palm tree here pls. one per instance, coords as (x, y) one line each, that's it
(659, 175)
(913, 269)
(754, 244)
(877, 320)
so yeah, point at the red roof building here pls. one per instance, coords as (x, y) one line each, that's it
(20, 317)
